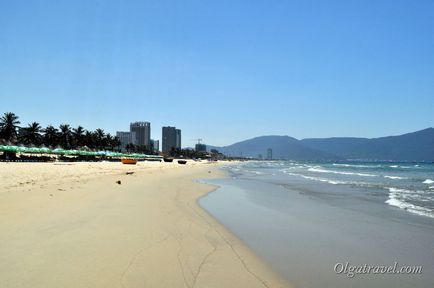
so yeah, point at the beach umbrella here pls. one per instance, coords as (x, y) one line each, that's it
(3, 148)
(59, 151)
(31, 150)
(21, 149)
(101, 153)
(44, 150)
(113, 154)
(8, 148)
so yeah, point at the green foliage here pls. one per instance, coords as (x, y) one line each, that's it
(9, 126)
(64, 136)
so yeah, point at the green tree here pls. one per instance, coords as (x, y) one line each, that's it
(8, 127)
(51, 136)
(89, 139)
(65, 136)
(111, 142)
(130, 147)
(116, 143)
(100, 139)
(32, 134)
(78, 137)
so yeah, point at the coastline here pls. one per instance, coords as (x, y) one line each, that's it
(303, 229)
(80, 228)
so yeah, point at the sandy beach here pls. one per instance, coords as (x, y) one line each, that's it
(74, 225)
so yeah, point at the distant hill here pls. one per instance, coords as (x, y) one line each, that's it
(416, 146)
(284, 147)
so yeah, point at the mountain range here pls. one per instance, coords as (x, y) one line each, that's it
(416, 146)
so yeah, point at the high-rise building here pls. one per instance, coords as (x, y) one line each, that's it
(125, 138)
(200, 147)
(155, 145)
(142, 136)
(269, 154)
(171, 138)
(178, 138)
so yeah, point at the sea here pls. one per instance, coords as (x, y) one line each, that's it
(305, 217)
(408, 186)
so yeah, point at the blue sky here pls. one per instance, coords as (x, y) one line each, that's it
(223, 71)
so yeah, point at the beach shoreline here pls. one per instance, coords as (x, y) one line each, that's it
(303, 229)
(114, 225)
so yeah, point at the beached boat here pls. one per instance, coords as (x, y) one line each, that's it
(168, 159)
(129, 161)
(182, 162)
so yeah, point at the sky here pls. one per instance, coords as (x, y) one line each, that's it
(223, 71)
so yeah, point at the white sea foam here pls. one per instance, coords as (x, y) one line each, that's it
(400, 167)
(333, 182)
(394, 177)
(428, 181)
(356, 165)
(398, 190)
(289, 173)
(343, 165)
(288, 168)
(397, 198)
(338, 172)
(431, 187)
(254, 172)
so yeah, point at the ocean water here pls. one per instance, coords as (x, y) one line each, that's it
(303, 218)
(408, 186)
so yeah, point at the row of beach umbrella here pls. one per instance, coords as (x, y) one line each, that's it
(60, 151)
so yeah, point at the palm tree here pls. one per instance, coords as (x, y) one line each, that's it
(51, 136)
(89, 139)
(108, 141)
(111, 142)
(78, 136)
(100, 138)
(116, 143)
(8, 126)
(32, 134)
(130, 147)
(65, 136)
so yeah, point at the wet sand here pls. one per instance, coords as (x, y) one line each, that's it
(304, 229)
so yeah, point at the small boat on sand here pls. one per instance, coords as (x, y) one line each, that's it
(129, 161)
(182, 162)
(168, 159)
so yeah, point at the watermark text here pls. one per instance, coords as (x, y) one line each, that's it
(351, 270)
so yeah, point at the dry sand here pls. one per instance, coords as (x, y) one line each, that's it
(73, 226)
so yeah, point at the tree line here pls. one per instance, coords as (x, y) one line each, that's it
(63, 136)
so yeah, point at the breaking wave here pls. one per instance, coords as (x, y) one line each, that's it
(399, 198)
(338, 172)
(394, 177)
